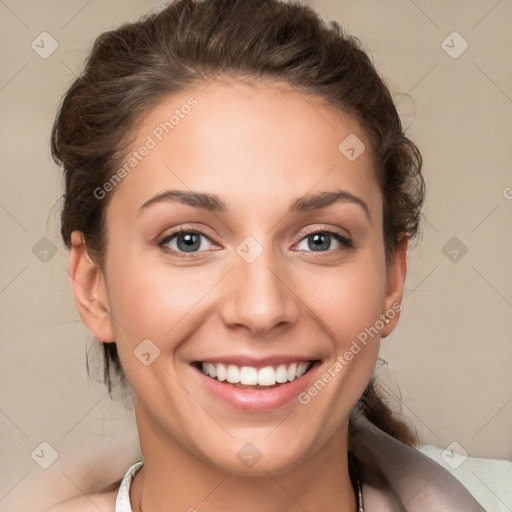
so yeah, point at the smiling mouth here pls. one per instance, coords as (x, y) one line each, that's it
(249, 377)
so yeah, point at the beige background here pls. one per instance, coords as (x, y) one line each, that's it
(451, 354)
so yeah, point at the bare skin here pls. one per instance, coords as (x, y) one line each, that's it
(258, 149)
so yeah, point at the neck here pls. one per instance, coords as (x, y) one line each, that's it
(173, 476)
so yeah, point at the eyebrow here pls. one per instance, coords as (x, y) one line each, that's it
(213, 203)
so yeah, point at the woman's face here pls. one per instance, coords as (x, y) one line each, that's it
(267, 274)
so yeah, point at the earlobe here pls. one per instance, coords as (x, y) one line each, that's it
(89, 289)
(395, 287)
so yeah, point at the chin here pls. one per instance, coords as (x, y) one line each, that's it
(259, 456)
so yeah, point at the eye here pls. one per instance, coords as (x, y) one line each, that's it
(320, 241)
(183, 241)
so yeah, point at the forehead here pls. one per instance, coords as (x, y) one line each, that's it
(248, 142)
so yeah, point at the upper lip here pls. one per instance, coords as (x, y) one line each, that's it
(256, 362)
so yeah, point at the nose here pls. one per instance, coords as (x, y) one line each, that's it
(259, 296)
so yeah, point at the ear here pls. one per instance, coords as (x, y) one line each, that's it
(395, 281)
(89, 289)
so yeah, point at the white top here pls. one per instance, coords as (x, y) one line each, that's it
(123, 495)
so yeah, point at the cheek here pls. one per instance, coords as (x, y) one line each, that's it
(347, 299)
(154, 312)
(349, 302)
(151, 303)
(158, 303)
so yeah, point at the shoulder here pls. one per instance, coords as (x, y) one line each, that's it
(104, 501)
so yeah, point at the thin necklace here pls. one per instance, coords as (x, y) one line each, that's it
(356, 483)
(360, 502)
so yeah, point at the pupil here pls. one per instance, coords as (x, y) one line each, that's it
(319, 246)
(190, 243)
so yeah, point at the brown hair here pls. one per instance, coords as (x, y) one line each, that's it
(132, 69)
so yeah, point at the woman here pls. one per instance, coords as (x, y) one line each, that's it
(240, 197)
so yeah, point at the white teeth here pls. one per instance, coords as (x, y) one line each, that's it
(292, 371)
(301, 369)
(266, 376)
(250, 376)
(233, 374)
(281, 374)
(221, 372)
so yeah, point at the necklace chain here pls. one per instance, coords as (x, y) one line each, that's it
(360, 502)
(356, 482)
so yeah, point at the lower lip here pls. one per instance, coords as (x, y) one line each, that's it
(257, 399)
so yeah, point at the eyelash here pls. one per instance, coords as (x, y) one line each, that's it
(348, 244)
